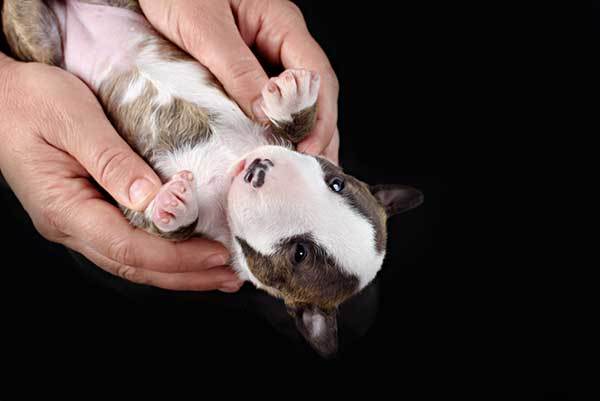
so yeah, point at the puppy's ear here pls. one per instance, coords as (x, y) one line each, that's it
(318, 327)
(397, 198)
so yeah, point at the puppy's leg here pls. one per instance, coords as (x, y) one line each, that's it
(32, 31)
(173, 214)
(290, 103)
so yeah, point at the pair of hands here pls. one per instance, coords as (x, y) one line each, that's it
(55, 138)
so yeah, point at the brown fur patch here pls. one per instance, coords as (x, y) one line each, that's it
(300, 126)
(148, 127)
(180, 123)
(315, 281)
(139, 220)
(132, 5)
(358, 195)
(32, 31)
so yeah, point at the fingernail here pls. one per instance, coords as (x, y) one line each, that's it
(257, 110)
(218, 259)
(140, 190)
(231, 286)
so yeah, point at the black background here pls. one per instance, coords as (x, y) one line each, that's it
(450, 319)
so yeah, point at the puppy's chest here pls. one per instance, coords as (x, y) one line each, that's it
(210, 162)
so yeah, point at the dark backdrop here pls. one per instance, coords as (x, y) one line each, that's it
(429, 323)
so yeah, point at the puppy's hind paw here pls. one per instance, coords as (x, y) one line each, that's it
(175, 206)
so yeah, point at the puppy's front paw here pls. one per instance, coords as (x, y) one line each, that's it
(175, 206)
(291, 93)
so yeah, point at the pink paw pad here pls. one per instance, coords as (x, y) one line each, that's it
(175, 205)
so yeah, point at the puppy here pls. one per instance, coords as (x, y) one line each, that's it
(297, 226)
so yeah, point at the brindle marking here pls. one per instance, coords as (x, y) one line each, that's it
(132, 5)
(148, 127)
(358, 195)
(300, 126)
(139, 220)
(317, 280)
(32, 32)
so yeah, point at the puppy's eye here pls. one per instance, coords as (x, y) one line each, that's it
(336, 184)
(300, 253)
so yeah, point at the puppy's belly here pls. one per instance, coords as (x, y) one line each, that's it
(97, 39)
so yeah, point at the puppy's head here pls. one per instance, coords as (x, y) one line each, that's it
(310, 234)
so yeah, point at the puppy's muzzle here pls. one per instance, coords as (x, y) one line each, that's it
(256, 172)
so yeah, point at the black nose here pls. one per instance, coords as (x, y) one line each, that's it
(256, 172)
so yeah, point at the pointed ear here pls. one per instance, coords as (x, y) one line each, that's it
(397, 198)
(318, 327)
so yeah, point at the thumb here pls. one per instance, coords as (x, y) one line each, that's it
(112, 163)
(226, 55)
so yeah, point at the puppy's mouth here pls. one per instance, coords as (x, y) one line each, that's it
(257, 171)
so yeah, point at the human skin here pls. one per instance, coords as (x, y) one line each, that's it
(220, 33)
(56, 139)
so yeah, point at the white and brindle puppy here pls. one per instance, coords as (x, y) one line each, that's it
(297, 226)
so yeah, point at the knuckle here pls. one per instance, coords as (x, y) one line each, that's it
(122, 252)
(193, 28)
(50, 224)
(130, 273)
(291, 10)
(189, 35)
(171, 259)
(330, 75)
(243, 72)
(178, 266)
(109, 164)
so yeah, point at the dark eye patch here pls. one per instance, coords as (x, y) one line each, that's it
(317, 279)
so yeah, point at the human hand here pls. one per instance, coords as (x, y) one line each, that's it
(55, 138)
(219, 35)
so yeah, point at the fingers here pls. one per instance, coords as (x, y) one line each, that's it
(216, 278)
(291, 44)
(300, 50)
(332, 150)
(90, 138)
(114, 165)
(208, 31)
(104, 229)
(325, 126)
(226, 55)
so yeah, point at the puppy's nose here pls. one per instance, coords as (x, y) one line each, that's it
(256, 172)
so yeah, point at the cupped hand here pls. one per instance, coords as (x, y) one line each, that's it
(54, 139)
(220, 33)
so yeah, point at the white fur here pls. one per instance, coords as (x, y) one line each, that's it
(297, 90)
(294, 199)
(315, 324)
(134, 90)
